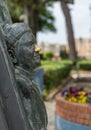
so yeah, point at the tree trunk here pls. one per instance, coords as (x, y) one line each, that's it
(70, 34)
(31, 12)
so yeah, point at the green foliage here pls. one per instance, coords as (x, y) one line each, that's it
(15, 9)
(53, 63)
(85, 64)
(45, 17)
(64, 54)
(55, 72)
(43, 56)
(46, 56)
(50, 55)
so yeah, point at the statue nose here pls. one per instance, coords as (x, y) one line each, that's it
(37, 49)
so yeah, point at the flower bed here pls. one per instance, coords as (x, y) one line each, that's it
(77, 94)
(73, 108)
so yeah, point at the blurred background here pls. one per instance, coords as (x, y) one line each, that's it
(62, 29)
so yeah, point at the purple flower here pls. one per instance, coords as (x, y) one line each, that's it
(64, 92)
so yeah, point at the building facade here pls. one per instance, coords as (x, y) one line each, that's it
(55, 48)
(83, 48)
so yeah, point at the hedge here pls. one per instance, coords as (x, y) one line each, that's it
(58, 63)
(55, 72)
(84, 65)
(46, 55)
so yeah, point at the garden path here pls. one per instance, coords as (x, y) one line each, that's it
(50, 106)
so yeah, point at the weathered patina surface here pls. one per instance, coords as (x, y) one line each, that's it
(22, 103)
(26, 61)
(12, 104)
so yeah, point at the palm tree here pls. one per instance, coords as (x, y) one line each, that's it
(70, 33)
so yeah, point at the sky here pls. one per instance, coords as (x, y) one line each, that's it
(81, 20)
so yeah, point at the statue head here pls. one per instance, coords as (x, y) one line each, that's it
(20, 36)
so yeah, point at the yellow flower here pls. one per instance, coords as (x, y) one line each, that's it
(79, 101)
(72, 99)
(69, 100)
(81, 97)
(82, 93)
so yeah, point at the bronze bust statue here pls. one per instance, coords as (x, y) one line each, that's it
(20, 37)
(20, 44)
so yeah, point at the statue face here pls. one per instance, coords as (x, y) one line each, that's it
(25, 51)
(20, 36)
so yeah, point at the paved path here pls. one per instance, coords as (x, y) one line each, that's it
(50, 107)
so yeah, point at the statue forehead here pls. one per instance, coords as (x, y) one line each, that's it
(27, 39)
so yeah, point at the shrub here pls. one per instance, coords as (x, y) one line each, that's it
(43, 56)
(50, 55)
(55, 72)
(46, 55)
(85, 64)
(64, 54)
